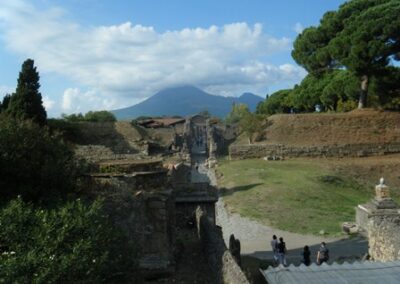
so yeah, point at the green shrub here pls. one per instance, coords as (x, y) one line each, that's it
(33, 163)
(344, 106)
(92, 116)
(70, 131)
(74, 243)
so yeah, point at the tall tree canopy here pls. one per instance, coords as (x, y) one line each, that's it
(5, 102)
(238, 111)
(26, 103)
(362, 37)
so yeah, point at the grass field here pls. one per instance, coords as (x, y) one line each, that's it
(299, 195)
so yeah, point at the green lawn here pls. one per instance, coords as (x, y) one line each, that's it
(301, 196)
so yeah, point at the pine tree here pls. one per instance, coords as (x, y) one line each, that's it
(362, 37)
(26, 103)
(5, 102)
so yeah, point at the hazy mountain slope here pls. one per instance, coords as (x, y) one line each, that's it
(186, 100)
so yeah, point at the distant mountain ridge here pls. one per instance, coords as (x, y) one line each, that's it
(184, 101)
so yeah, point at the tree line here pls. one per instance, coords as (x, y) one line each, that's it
(352, 60)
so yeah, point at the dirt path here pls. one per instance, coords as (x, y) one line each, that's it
(255, 239)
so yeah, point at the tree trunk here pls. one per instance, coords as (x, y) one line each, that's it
(362, 103)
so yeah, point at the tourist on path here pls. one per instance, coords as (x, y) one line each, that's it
(274, 247)
(323, 254)
(306, 256)
(282, 252)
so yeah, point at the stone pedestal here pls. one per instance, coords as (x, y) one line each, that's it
(381, 205)
(382, 198)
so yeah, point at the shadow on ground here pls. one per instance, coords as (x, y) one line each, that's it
(230, 191)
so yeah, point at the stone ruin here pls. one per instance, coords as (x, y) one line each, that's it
(156, 200)
(155, 206)
(381, 205)
(380, 221)
(150, 212)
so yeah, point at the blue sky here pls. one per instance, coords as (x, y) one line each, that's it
(94, 54)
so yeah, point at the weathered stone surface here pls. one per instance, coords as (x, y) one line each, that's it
(380, 218)
(222, 264)
(384, 238)
(381, 206)
(96, 153)
(281, 150)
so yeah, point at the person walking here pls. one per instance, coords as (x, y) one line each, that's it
(306, 256)
(322, 254)
(282, 252)
(274, 247)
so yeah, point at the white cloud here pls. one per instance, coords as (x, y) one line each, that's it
(126, 62)
(74, 101)
(4, 90)
(48, 103)
(298, 28)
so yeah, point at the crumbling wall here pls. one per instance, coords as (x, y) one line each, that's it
(220, 260)
(180, 173)
(190, 196)
(384, 238)
(238, 152)
(96, 153)
(220, 136)
(148, 218)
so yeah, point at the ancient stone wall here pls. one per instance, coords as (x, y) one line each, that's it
(96, 153)
(221, 262)
(148, 218)
(384, 238)
(141, 202)
(190, 196)
(220, 136)
(281, 150)
(180, 173)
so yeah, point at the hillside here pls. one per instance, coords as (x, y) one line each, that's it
(184, 101)
(356, 127)
(311, 185)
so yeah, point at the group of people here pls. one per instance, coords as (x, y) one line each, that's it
(279, 251)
